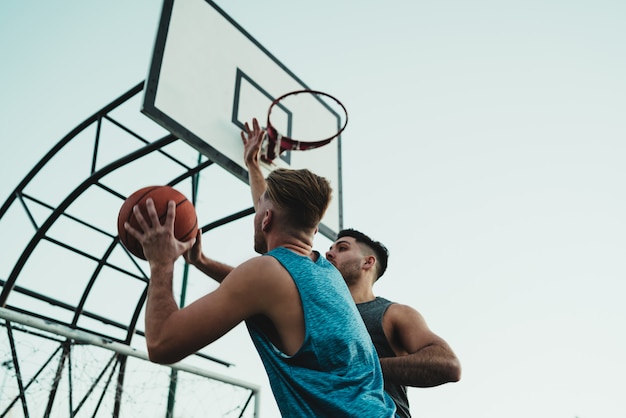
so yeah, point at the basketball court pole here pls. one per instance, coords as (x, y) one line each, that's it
(171, 398)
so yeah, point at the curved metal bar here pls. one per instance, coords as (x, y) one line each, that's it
(10, 282)
(227, 219)
(64, 141)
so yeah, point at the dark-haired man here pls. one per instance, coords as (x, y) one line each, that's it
(410, 353)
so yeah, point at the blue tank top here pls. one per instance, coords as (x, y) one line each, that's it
(336, 372)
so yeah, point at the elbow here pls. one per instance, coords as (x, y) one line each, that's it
(454, 370)
(159, 358)
(160, 354)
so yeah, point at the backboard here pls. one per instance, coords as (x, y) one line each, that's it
(208, 77)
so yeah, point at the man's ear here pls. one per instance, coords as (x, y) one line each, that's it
(266, 223)
(369, 262)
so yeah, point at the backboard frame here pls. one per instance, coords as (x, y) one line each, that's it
(160, 113)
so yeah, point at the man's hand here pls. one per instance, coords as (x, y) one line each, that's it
(194, 255)
(252, 141)
(160, 246)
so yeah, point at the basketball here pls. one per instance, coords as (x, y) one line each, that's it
(185, 224)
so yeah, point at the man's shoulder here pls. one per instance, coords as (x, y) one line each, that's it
(396, 309)
(258, 266)
(258, 276)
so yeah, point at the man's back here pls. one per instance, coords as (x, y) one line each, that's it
(336, 371)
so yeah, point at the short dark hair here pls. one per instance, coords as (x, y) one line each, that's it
(382, 254)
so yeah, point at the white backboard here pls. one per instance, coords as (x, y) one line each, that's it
(208, 77)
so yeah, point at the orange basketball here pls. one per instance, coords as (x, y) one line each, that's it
(185, 224)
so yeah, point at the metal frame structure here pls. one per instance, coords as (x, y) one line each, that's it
(70, 330)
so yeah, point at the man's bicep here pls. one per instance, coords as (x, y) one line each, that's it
(215, 314)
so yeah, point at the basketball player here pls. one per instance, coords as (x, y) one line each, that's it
(410, 353)
(315, 348)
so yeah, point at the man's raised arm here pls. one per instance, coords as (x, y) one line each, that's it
(252, 141)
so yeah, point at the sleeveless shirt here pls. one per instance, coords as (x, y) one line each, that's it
(336, 372)
(372, 313)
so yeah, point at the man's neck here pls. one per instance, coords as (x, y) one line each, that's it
(361, 292)
(302, 245)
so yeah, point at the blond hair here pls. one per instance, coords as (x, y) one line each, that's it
(302, 195)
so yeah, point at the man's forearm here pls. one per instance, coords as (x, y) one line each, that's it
(214, 269)
(431, 366)
(160, 304)
(257, 182)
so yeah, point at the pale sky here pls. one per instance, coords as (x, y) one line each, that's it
(485, 148)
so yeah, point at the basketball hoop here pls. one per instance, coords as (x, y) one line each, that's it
(276, 143)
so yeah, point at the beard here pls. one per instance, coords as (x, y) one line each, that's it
(350, 271)
(260, 244)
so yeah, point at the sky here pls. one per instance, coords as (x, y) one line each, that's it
(485, 148)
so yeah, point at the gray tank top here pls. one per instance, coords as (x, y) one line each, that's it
(372, 313)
